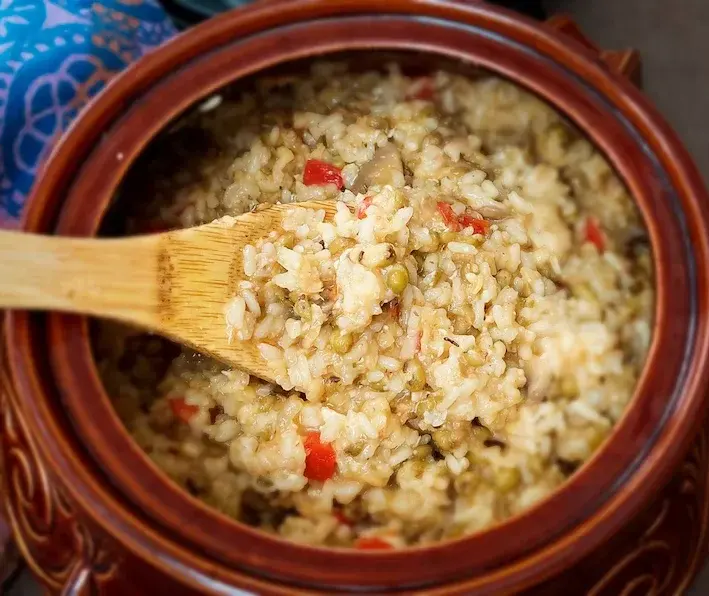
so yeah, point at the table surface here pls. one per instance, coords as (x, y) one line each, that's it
(674, 44)
(673, 40)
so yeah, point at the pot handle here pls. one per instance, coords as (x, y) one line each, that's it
(623, 62)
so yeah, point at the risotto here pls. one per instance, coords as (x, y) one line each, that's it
(449, 348)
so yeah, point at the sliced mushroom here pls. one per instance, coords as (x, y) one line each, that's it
(385, 167)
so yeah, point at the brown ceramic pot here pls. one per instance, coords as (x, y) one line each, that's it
(91, 512)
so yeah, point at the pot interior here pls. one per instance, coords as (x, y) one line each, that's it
(187, 176)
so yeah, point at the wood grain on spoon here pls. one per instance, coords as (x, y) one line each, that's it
(176, 283)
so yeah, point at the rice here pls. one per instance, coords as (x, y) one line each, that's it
(456, 342)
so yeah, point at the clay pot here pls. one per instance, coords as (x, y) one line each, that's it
(90, 511)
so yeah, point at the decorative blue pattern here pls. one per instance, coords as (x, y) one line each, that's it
(54, 56)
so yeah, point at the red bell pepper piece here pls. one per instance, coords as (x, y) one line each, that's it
(320, 459)
(363, 206)
(480, 226)
(182, 411)
(458, 222)
(594, 235)
(319, 173)
(449, 216)
(372, 543)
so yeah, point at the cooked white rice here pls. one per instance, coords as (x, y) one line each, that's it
(450, 348)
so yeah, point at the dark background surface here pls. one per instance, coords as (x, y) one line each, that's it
(673, 40)
(187, 12)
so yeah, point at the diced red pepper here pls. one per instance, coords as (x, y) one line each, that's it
(457, 222)
(480, 226)
(318, 173)
(342, 518)
(419, 336)
(425, 91)
(182, 411)
(363, 206)
(320, 459)
(594, 235)
(449, 216)
(372, 543)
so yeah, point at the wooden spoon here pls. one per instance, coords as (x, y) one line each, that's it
(175, 283)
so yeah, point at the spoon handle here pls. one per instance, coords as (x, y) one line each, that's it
(177, 283)
(114, 278)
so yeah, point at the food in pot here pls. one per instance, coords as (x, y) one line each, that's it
(453, 345)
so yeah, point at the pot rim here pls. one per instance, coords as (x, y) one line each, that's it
(653, 469)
